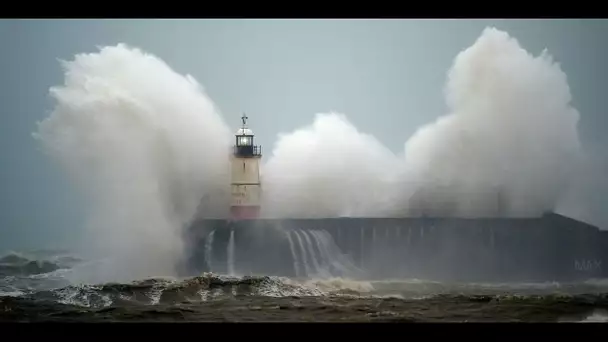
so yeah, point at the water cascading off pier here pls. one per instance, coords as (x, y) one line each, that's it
(445, 249)
(242, 249)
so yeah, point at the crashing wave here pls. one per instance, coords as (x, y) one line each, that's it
(27, 268)
(35, 263)
(169, 291)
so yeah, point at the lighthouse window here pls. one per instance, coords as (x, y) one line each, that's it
(244, 141)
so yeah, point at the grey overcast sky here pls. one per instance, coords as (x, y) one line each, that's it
(387, 76)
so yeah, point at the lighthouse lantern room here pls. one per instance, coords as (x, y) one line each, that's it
(245, 165)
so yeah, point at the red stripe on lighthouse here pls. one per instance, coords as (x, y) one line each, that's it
(249, 212)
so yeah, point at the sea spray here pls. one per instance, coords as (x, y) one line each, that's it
(329, 169)
(148, 149)
(506, 148)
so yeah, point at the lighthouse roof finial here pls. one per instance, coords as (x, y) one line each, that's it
(244, 130)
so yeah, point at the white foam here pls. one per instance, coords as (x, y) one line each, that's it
(148, 149)
(596, 317)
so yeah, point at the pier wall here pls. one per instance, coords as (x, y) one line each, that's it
(551, 248)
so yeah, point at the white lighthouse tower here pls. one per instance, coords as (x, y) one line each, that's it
(246, 187)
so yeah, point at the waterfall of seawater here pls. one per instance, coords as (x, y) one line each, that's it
(294, 254)
(409, 236)
(209, 250)
(317, 254)
(362, 245)
(344, 264)
(372, 251)
(312, 253)
(304, 254)
(230, 253)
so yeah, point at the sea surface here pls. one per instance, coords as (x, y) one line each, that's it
(36, 287)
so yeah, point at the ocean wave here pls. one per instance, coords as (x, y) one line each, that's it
(13, 258)
(35, 262)
(210, 287)
(27, 268)
(171, 291)
(339, 285)
(597, 316)
(218, 298)
(60, 278)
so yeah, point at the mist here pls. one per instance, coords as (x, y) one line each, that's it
(583, 197)
(506, 148)
(329, 169)
(144, 145)
(511, 134)
(149, 149)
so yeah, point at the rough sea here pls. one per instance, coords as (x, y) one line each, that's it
(146, 146)
(37, 287)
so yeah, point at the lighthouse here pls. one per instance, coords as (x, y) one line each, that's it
(245, 181)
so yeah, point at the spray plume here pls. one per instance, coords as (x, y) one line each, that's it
(511, 133)
(505, 148)
(328, 169)
(146, 145)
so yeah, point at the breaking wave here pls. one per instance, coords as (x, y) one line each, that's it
(20, 264)
(55, 296)
(264, 298)
(214, 287)
(170, 291)
(150, 151)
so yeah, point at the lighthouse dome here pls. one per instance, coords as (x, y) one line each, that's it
(244, 131)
